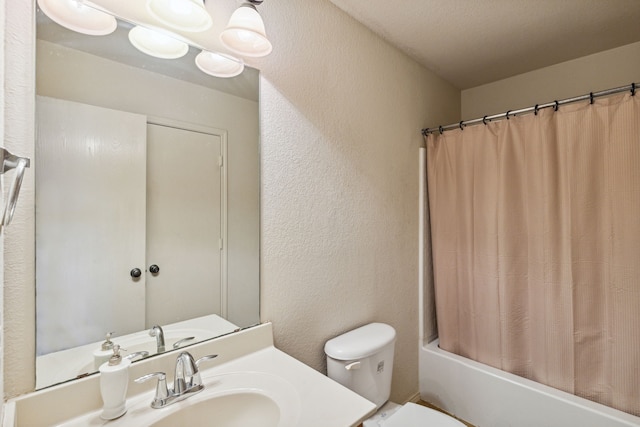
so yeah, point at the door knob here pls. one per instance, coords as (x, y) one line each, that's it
(154, 269)
(136, 272)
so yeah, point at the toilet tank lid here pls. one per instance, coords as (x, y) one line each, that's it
(361, 342)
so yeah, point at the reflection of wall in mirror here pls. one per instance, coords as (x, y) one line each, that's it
(85, 78)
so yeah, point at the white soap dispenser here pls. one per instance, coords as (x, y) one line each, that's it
(114, 381)
(105, 351)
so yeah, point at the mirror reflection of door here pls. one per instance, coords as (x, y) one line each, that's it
(155, 193)
(90, 216)
(183, 224)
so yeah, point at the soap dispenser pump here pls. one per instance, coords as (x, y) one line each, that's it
(114, 381)
(105, 351)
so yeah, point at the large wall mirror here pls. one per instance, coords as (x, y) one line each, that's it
(147, 201)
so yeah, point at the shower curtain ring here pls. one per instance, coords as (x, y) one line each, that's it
(590, 97)
(507, 114)
(461, 127)
(484, 120)
(441, 130)
(555, 107)
(535, 110)
(633, 89)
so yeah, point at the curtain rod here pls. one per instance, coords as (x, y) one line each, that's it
(555, 104)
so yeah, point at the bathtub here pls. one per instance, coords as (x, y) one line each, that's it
(488, 397)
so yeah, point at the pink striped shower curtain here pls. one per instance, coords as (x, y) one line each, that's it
(535, 226)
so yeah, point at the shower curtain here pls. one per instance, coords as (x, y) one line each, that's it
(535, 224)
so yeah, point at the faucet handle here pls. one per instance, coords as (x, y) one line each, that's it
(162, 392)
(196, 379)
(205, 358)
(182, 341)
(141, 354)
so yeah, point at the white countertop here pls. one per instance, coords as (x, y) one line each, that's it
(320, 402)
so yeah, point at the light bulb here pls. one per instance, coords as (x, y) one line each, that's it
(157, 44)
(245, 34)
(181, 7)
(183, 15)
(218, 64)
(76, 16)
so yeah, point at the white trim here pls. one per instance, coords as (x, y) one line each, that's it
(224, 279)
(422, 158)
(9, 414)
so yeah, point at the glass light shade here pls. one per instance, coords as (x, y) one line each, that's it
(245, 34)
(184, 15)
(157, 44)
(76, 16)
(218, 64)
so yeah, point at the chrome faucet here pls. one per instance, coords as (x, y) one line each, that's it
(187, 381)
(157, 332)
(187, 376)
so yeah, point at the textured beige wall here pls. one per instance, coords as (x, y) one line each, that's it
(341, 118)
(341, 113)
(600, 71)
(18, 346)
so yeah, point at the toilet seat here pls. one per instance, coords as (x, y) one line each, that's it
(413, 415)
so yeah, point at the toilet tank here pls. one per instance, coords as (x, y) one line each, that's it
(362, 360)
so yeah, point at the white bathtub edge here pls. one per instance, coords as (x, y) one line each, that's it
(488, 397)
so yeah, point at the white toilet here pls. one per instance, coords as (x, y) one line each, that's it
(362, 360)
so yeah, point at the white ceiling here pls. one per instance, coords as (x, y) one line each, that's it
(473, 42)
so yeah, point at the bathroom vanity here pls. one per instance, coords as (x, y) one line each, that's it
(249, 378)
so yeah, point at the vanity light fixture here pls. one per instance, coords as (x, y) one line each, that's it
(156, 44)
(245, 34)
(76, 16)
(218, 64)
(184, 15)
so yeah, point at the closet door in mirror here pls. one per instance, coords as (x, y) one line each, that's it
(183, 224)
(90, 223)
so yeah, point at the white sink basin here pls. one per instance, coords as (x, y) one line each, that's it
(234, 399)
(246, 408)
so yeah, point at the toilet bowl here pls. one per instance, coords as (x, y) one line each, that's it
(362, 360)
